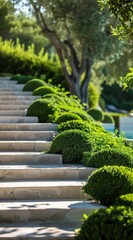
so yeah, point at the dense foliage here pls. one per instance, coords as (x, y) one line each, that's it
(113, 223)
(108, 157)
(108, 183)
(96, 114)
(71, 144)
(125, 200)
(74, 124)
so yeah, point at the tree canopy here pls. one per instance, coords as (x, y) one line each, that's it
(81, 36)
(123, 11)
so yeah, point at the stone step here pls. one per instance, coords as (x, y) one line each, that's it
(18, 102)
(44, 172)
(13, 112)
(28, 127)
(14, 107)
(28, 158)
(17, 97)
(16, 93)
(9, 87)
(18, 119)
(26, 135)
(12, 146)
(47, 211)
(35, 190)
(37, 230)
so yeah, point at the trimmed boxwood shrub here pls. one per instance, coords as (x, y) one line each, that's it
(67, 117)
(113, 223)
(74, 124)
(125, 200)
(41, 108)
(33, 84)
(71, 144)
(83, 114)
(22, 79)
(108, 183)
(96, 114)
(107, 118)
(43, 90)
(109, 157)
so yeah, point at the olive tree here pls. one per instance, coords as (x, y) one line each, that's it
(81, 36)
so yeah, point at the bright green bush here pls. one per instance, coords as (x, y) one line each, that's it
(93, 96)
(74, 124)
(33, 84)
(113, 223)
(108, 157)
(67, 117)
(96, 114)
(71, 144)
(107, 118)
(125, 200)
(108, 183)
(43, 90)
(55, 97)
(41, 108)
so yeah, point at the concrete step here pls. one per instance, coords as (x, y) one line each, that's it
(17, 97)
(26, 135)
(28, 158)
(35, 190)
(28, 126)
(13, 102)
(44, 172)
(13, 112)
(29, 146)
(9, 87)
(37, 230)
(47, 211)
(16, 93)
(14, 107)
(18, 119)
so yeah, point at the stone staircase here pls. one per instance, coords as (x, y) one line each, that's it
(40, 198)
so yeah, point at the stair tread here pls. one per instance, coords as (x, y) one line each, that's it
(38, 230)
(38, 183)
(49, 204)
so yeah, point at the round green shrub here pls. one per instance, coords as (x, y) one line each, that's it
(40, 108)
(107, 118)
(67, 117)
(113, 223)
(125, 200)
(102, 103)
(96, 114)
(109, 157)
(108, 183)
(74, 124)
(43, 90)
(71, 144)
(83, 114)
(33, 84)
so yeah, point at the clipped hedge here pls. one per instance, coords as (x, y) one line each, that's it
(108, 157)
(67, 117)
(22, 79)
(33, 84)
(125, 200)
(71, 144)
(96, 114)
(41, 108)
(108, 118)
(43, 90)
(108, 183)
(113, 223)
(74, 124)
